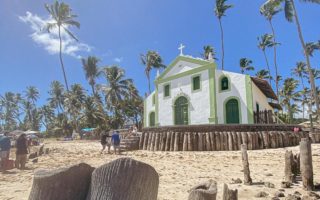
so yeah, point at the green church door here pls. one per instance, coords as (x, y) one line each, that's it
(232, 112)
(181, 111)
(152, 119)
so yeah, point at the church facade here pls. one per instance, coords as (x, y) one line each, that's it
(192, 91)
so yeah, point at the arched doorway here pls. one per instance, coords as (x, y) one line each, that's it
(152, 119)
(181, 112)
(232, 111)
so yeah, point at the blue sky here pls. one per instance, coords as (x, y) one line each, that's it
(118, 31)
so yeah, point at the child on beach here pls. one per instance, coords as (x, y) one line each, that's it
(22, 151)
(115, 139)
(104, 142)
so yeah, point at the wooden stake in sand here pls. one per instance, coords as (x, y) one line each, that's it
(289, 177)
(204, 191)
(229, 194)
(124, 179)
(245, 162)
(306, 164)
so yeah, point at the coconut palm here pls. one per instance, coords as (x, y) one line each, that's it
(304, 99)
(10, 110)
(57, 95)
(47, 116)
(245, 65)
(269, 10)
(292, 15)
(32, 94)
(266, 41)
(152, 60)
(311, 47)
(91, 70)
(263, 74)
(63, 18)
(299, 70)
(220, 10)
(289, 94)
(92, 116)
(207, 50)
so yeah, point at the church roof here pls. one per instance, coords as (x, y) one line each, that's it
(265, 87)
(275, 105)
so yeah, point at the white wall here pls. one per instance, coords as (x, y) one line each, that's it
(238, 89)
(199, 109)
(181, 66)
(149, 109)
(260, 98)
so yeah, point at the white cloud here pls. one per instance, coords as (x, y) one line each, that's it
(50, 41)
(118, 60)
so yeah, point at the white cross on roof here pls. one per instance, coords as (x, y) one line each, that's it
(181, 49)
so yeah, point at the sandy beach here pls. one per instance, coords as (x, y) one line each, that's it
(178, 171)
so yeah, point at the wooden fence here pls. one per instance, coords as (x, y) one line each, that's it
(263, 117)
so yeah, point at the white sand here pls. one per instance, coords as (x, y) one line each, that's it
(178, 171)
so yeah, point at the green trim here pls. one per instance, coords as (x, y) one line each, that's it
(164, 91)
(145, 113)
(173, 106)
(224, 108)
(220, 85)
(182, 58)
(212, 92)
(153, 100)
(149, 117)
(186, 73)
(200, 83)
(157, 106)
(249, 98)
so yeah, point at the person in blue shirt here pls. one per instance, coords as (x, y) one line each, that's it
(115, 140)
(5, 145)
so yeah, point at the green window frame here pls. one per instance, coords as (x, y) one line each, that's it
(152, 119)
(166, 90)
(153, 99)
(224, 84)
(196, 83)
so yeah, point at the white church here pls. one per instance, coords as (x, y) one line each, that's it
(192, 91)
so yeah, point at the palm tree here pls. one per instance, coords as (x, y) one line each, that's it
(57, 96)
(288, 93)
(220, 10)
(263, 74)
(92, 116)
(91, 70)
(47, 116)
(266, 41)
(311, 47)
(152, 60)
(207, 50)
(269, 10)
(299, 70)
(62, 16)
(303, 99)
(292, 15)
(32, 94)
(245, 65)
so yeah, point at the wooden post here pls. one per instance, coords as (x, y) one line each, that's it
(260, 138)
(230, 141)
(153, 141)
(208, 142)
(185, 142)
(244, 138)
(239, 137)
(168, 141)
(234, 141)
(273, 139)
(229, 194)
(213, 142)
(163, 141)
(141, 141)
(190, 144)
(195, 141)
(218, 140)
(280, 139)
(204, 191)
(64, 183)
(124, 179)
(306, 164)
(250, 141)
(225, 141)
(265, 139)
(245, 163)
(145, 142)
(289, 177)
(172, 141)
(176, 142)
(156, 145)
(200, 146)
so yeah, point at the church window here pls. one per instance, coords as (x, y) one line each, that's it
(224, 83)
(196, 83)
(167, 90)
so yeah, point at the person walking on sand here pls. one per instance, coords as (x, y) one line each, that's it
(5, 146)
(115, 140)
(22, 151)
(104, 142)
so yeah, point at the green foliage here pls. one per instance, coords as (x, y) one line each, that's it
(245, 65)
(221, 7)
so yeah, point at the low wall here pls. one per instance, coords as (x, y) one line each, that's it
(218, 137)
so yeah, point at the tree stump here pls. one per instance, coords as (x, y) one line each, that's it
(225, 141)
(200, 146)
(212, 140)
(306, 164)
(266, 143)
(163, 141)
(145, 142)
(172, 142)
(141, 141)
(261, 142)
(124, 179)
(185, 142)
(218, 141)
(66, 183)
(195, 141)
(273, 139)
(230, 141)
(190, 144)
(168, 141)
(149, 141)
(234, 141)
(244, 138)
(250, 141)
(176, 142)
(229, 194)
(208, 142)
(156, 143)
(289, 177)
(245, 163)
(204, 191)
(239, 138)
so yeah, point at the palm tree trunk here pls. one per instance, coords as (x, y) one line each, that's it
(149, 86)
(275, 58)
(311, 77)
(61, 62)
(222, 45)
(289, 113)
(93, 90)
(268, 66)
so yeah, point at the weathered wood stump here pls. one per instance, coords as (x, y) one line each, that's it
(204, 191)
(229, 194)
(212, 140)
(168, 141)
(208, 142)
(245, 162)
(289, 176)
(163, 141)
(124, 179)
(145, 141)
(41, 150)
(218, 141)
(185, 142)
(176, 142)
(141, 141)
(200, 142)
(63, 184)
(230, 141)
(172, 142)
(306, 164)
(190, 142)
